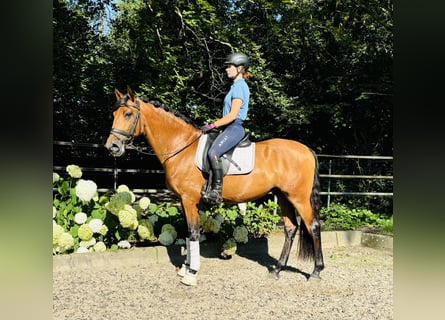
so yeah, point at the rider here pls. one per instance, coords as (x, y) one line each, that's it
(235, 107)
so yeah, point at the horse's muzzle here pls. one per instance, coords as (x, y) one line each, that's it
(116, 147)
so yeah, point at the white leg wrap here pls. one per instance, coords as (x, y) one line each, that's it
(195, 258)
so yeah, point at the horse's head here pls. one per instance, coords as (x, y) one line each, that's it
(126, 117)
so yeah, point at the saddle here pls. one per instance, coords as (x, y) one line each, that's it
(239, 160)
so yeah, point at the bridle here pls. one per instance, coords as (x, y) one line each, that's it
(128, 135)
(128, 142)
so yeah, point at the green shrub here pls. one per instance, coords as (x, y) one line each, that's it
(340, 217)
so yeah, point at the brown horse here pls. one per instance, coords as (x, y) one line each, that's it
(287, 168)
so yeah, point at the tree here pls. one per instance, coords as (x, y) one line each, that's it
(321, 70)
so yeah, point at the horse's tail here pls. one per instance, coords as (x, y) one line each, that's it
(306, 243)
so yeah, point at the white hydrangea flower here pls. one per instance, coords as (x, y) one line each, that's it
(124, 188)
(56, 177)
(103, 230)
(57, 232)
(95, 225)
(54, 212)
(128, 217)
(124, 244)
(99, 247)
(144, 202)
(87, 244)
(85, 189)
(74, 171)
(82, 250)
(85, 233)
(80, 217)
(65, 242)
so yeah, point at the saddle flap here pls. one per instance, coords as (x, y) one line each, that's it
(239, 160)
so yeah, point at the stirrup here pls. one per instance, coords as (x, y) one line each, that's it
(213, 196)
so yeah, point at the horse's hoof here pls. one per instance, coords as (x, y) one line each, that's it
(274, 273)
(314, 277)
(182, 271)
(189, 279)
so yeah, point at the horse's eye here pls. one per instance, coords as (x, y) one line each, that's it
(128, 114)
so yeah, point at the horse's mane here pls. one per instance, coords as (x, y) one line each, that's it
(166, 108)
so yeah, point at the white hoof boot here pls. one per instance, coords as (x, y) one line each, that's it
(189, 278)
(181, 272)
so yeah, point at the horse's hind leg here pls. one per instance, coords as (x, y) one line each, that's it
(310, 237)
(290, 229)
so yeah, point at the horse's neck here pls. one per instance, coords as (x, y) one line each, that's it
(166, 133)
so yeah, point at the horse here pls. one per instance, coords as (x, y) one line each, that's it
(285, 167)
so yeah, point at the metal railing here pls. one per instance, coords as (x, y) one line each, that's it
(330, 176)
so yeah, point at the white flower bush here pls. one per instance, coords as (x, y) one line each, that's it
(79, 216)
(84, 221)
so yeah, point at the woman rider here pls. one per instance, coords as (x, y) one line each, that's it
(235, 107)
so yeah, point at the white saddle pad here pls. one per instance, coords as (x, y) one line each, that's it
(243, 157)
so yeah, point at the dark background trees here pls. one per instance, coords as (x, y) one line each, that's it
(321, 71)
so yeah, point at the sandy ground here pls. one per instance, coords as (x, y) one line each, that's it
(357, 283)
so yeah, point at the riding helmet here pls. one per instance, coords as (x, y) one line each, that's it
(238, 59)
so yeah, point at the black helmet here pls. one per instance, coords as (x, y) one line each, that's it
(238, 59)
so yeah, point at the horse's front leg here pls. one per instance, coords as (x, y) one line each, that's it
(290, 229)
(189, 271)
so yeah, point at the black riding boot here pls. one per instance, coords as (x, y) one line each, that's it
(215, 195)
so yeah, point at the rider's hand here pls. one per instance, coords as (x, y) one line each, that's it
(208, 127)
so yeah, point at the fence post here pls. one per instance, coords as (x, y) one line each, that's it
(115, 174)
(329, 182)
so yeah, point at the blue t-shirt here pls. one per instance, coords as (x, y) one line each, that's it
(238, 90)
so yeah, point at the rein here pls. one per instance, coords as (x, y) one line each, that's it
(170, 154)
(128, 142)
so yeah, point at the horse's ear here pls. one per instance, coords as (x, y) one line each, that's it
(130, 93)
(118, 94)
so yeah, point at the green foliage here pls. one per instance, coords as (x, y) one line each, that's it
(312, 62)
(340, 217)
(231, 225)
(261, 220)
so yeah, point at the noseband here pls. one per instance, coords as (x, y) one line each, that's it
(128, 135)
